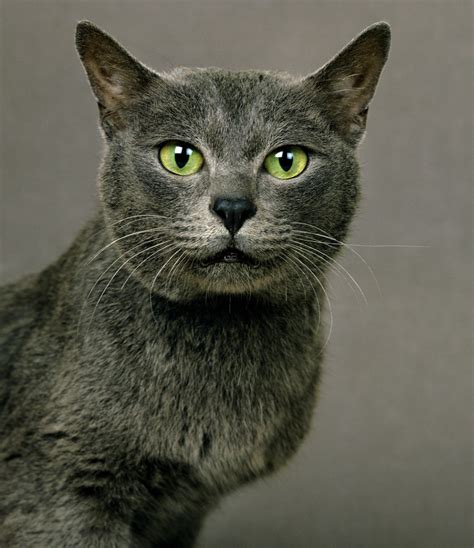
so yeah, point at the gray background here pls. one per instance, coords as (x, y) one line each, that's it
(388, 461)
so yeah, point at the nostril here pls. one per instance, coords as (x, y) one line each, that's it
(223, 208)
(234, 212)
(246, 210)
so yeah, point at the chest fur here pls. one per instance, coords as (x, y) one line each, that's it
(230, 395)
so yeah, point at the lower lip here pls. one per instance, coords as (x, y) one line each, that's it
(231, 257)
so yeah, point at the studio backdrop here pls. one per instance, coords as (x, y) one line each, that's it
(388, 460)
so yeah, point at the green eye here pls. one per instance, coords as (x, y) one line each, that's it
(180, 158)
(286, 162)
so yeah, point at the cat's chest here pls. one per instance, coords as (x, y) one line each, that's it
(227, 395)
(224, 404)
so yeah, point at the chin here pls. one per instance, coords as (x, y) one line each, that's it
(228, 278)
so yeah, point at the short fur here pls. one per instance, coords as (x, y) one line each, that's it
(132, 399)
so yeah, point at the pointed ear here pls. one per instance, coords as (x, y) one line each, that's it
(346, 84)
(115, 76)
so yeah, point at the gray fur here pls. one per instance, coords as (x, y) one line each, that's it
(130, 406)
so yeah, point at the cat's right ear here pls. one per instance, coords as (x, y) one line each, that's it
(116, 78)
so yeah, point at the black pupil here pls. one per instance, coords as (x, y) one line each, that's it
(182, 153)
(286, 159)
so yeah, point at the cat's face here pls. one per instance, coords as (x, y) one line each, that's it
(230, 182)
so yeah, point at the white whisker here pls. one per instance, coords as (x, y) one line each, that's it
(127, 219)
(330, 236)
(320, 312)
(146, 259)
(331, 259)
(105, 272)
(123, 238)
(154, 281)
(347, 246)
(332, 265)
(170, 273)
(115, 274)
(326, 295)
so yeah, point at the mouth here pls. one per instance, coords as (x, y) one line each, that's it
(230, 255)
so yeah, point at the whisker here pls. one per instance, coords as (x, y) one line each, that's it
(347, 246)
(332, 265)
(126, 219)
(389, 245)
(330, 236)
(345, 90)
(115, 274)
(208, 286)
(105, 272)
(335, 268)
(140, 217)
(183, 265)
(144, 261)
(170, 273)
(335, 262)
(326, 295)
(123, 238)
(312, 287)
(154, 281)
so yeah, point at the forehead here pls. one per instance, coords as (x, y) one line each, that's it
(226, 110)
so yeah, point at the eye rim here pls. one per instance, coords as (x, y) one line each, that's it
(272, 153)
(178, 142)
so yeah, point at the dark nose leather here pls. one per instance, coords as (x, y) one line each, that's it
(234, 212)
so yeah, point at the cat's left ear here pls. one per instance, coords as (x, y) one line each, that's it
(345, 85)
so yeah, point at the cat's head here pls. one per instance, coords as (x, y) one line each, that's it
(217, 181)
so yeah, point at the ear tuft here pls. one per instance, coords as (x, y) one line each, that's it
(116, 78)
(346, 84)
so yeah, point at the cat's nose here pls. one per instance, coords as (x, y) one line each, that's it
(233, 212)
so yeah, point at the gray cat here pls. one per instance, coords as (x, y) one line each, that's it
(172, 354)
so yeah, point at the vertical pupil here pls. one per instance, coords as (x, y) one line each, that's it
(182, 155)
(286, 159)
